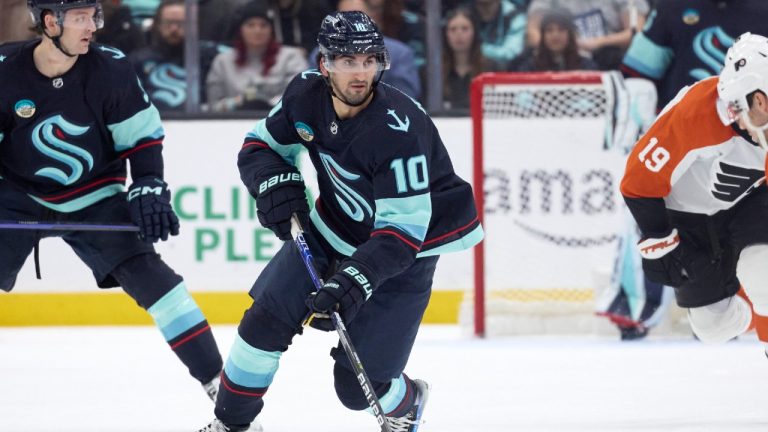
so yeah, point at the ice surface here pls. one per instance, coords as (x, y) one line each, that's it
(126, 379)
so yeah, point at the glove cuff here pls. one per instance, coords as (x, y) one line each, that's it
(365, 280)
(655, 248)
(147, 186)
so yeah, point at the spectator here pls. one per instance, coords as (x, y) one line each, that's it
(403, 73)
(398, 23)
(160, 66)
(120, 31)
(557, 49)
(297, 21)
(502, 30)
(605, 27)
(15, 23)
(463, 57)
(686, 40)
(254, 74)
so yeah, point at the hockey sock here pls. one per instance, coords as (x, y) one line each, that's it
(187, 332)
(247, 376)
(399, 398)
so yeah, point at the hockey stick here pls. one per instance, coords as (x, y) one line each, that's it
(373, 401)
(64, 226)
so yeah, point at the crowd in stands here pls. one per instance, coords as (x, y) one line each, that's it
(250, 49)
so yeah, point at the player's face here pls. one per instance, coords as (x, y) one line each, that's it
(755, 123)
(256, 32)
(79, 26)
(459, 33)
(171, 25)
(352, 76)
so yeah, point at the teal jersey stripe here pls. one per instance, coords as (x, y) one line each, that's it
(647, 57)
(461, 244)
(82, 202)
(176, 312)
(334, 240)
(251, 367)
(144, 124)
(393, 396)
(2, 135)
(289, 152)
(410, 215)
(347, 249)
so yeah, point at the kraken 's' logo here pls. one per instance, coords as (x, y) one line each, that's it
(710, 46)
(349, 200)
(169, 84)
(49, 138)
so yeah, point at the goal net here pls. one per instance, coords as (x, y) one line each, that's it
(549, 154)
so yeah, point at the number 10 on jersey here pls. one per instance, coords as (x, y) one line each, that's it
(416, 173)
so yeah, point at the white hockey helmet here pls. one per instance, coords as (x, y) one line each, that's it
(745, 71)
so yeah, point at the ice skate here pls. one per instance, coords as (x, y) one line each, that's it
(217, 426)
(411, 421)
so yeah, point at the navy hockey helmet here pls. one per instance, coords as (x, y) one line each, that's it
(59, 7)
(350, 33)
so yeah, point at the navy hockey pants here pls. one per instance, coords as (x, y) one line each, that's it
(116, 259)
(383, 332)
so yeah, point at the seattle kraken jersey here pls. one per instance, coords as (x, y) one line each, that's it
(162, 73)
(685, 41)
(65, 140)
(388, 191)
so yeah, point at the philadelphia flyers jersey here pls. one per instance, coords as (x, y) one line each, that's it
(65, 140)
(691, 160)
(388, 191)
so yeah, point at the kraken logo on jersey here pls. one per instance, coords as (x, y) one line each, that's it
(349, 200)
(710, 46)
(733, 182)
(169, 84)
(49, 136)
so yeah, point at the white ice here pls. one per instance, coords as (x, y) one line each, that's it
(125, 379)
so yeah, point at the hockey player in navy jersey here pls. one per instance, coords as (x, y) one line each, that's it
(389, 204)
(72, 113)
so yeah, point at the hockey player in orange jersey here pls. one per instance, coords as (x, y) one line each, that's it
(695, 184)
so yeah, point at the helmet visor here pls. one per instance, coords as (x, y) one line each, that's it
(356, 63)
(83, 18)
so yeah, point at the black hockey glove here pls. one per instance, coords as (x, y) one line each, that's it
(277, 198)
(345, 292)
(149, 203)
(663, 259)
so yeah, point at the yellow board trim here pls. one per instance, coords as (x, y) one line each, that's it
(116, 308)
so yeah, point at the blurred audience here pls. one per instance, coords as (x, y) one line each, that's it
(605, 27)
(120, 31)
(396, 22)
(15, 22)
(686, 40)
(298, 21)
(254, 75)
(214, 18)
(502, 30)
(463, 57)
(160, 66)
(557, 49)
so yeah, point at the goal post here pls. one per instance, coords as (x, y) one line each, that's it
(549, 151)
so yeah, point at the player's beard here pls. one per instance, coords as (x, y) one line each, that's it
(349, 97)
